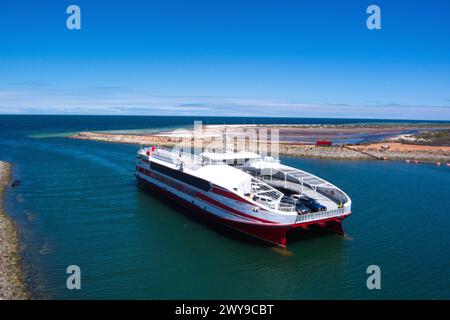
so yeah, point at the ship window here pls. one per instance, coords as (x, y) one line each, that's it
(181, 176)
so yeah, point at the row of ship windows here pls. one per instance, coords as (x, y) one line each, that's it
(168, 182)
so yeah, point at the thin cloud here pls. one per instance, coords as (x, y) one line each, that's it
(120, 100)
(29, 84)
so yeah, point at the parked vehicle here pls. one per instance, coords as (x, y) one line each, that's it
(295, 200)
(312, 204)
(301, 208)
(287, 199)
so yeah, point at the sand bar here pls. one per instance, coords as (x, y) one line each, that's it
(371, 151)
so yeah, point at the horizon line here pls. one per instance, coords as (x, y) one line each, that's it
(219, 116)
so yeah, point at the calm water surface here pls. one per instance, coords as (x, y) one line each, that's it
(78, 204)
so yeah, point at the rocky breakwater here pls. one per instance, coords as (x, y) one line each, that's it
(366, 151)
(11, 280)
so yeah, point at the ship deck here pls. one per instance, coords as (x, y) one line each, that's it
(268, 180)
(329, 203)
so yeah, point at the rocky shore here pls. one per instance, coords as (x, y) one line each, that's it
(11, 281)
(375, 151)
(406, 152)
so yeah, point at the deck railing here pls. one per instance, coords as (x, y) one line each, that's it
(286, 207)
(268, 204)
(176, 157)
(321, 215)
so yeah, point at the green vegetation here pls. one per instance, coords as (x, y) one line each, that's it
(441, 137)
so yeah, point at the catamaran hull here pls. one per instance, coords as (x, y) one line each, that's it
(272, 233)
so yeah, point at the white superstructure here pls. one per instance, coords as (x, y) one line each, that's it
(259, 196)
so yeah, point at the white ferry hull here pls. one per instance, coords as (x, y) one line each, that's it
(224, 207)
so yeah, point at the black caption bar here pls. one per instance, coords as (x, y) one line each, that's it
(215, 309)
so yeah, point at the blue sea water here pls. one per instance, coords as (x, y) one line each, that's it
(78, 204)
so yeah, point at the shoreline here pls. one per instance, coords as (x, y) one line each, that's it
(396, 151)
(11, 278)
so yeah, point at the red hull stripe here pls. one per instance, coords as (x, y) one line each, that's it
(224, 207)
(276, 235)
(231, 210)
(272, 233)
(229, 194)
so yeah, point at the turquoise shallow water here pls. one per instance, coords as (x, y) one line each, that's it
(78, 204)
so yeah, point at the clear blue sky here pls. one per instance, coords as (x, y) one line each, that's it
(228, 57)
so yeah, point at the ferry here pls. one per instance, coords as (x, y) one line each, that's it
(256, 195)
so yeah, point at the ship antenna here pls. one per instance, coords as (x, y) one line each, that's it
(225, 140)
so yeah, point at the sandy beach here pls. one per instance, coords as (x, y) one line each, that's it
(298, 141)
(11, 281)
